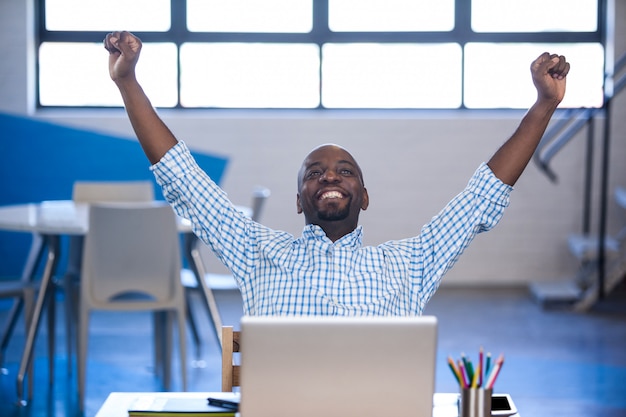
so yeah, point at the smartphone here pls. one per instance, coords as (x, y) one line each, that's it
(502, 405)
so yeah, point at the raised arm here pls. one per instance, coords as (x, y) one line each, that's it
(155, 137)
(548, 74)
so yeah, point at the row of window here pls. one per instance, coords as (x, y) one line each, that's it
(335, 54)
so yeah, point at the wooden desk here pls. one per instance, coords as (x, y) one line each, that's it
(118, 403)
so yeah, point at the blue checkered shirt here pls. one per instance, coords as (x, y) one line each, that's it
(280, 274)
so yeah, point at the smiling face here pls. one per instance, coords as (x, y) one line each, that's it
(331, 192)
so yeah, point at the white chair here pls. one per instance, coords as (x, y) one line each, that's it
(89, 192)
(259, 198)
(118, 191)
(214, 281)
(132, 262)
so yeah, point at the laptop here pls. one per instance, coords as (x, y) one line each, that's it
(337, 366)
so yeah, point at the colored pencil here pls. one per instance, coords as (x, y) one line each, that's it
(455, 371)
(494, 372)
(463, 374)
(480, 366)
(476, 377)
(468, 367)
(485, 374)
(488, 364)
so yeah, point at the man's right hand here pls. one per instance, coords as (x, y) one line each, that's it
(154, 136)
(124, 49)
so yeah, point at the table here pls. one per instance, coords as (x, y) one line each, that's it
(118, 403)
(50, 220)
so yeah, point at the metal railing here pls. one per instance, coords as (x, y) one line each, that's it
(565, 129)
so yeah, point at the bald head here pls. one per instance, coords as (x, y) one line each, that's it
(341, 152)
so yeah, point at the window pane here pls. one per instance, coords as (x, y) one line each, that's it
(86, 82)
(137, 15)
(250, 75)
(508, 83)
(277, 16)
(391, 75)
(390, 15)
(534, 15)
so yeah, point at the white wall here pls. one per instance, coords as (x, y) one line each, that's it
(413, 164)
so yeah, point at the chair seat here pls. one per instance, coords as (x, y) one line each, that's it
(213, 281)
(585, 248)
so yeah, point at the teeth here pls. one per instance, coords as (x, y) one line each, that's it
(331, 194)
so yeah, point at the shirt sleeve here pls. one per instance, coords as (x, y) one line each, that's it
(476, 209)
(195, 196)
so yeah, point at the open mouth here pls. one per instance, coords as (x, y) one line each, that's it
(330, 194)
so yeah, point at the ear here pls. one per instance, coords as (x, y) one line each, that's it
(366, 200)
(298, 205)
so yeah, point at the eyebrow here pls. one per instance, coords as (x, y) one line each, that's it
(342, 161)
(354, 165)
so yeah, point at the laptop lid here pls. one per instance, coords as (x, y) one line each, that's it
(337, 366)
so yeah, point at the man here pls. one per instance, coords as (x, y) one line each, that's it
(327, 271)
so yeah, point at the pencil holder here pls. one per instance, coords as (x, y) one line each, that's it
(475, 402)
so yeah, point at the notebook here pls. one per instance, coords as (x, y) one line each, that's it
(338, 366)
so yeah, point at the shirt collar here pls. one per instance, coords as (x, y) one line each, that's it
(353, 239)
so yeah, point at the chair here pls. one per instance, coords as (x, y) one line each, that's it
(230, 369)
(120, 191)
(88, 192)
(22, 292)
(132, 262)
(259, 197)
(214, 281)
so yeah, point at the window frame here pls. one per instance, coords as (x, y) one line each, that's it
(321, 34)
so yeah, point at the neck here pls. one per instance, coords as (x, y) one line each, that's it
(335, 231)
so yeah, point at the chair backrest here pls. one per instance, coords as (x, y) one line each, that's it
(90, 192)
(131, 248)
(259, 197)
(230, 369)
(112, 191)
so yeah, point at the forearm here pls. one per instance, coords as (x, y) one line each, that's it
(154, 136)
(511, 159)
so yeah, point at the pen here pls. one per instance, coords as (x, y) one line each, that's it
(230, 404)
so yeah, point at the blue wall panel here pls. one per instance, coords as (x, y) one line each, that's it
(40, 161)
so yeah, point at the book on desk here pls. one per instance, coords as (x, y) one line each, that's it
(161, 406)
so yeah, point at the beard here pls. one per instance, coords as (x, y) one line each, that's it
(334, 213)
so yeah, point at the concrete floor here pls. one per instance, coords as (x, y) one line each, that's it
(558, 362)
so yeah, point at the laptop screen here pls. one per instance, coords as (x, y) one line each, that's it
(312, 366)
